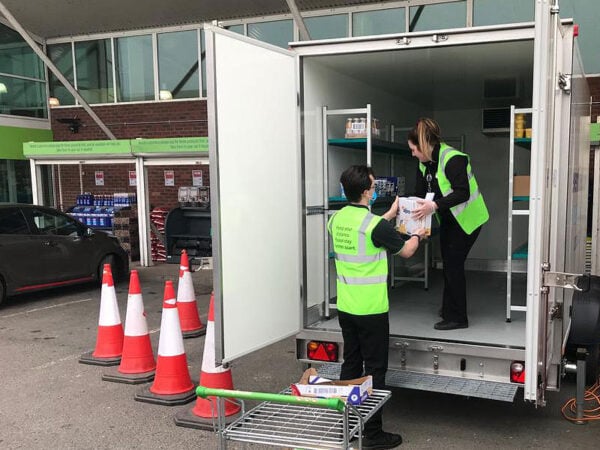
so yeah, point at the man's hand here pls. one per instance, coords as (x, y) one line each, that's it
(425, 208)
(392, 212)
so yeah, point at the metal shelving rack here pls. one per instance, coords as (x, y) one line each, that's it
(521, 252)
(369, 144)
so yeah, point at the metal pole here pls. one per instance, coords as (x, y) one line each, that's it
(580, 398)
(304, 34)
(25, 35)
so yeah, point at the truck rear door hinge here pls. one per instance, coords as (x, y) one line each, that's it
(561, 280)
(314, 210)
(564, 82)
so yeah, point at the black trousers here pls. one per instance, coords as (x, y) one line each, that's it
(455, 246)
(366, 343)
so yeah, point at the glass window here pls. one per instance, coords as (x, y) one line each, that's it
(17, 57)
(23, 178)
(487, 12)
(21, 97)
(278, 33)
(178, 65)
(12, 222)
(62, 57)
(385, 21)
(438, 17)
(327, 27)
(203, 61)
(93, 60)
(587, 15)
(135, 72)
(239, 29)
(48, 222)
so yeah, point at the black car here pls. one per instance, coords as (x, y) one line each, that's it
(42, 248)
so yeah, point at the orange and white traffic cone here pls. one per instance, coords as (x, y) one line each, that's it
(109, 340)
(191, 326)
(203, 414)
(172, 383)
(137, 361)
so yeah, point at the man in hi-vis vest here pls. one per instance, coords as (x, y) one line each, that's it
(360, 243)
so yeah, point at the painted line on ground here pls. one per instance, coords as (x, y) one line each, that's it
(44, 308)
(53, 363)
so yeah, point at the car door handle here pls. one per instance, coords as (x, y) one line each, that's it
(48, 243)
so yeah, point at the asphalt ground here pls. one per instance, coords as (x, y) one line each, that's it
(49, 400)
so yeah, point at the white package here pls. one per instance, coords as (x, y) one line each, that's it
(405, 223)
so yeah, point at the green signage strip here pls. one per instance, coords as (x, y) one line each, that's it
(123, 147)
(170, 145)
(595, 132)
(11, 144)
(76, 148)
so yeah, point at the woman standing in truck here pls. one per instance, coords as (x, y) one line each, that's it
(459, 208)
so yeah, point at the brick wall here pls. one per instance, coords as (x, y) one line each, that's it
(129, 121)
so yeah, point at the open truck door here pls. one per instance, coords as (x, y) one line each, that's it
(255, 192)
(557, 232)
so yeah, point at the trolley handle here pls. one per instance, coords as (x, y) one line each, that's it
(331, 403)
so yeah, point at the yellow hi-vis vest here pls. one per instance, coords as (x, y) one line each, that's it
(361, 267)
(471, 214)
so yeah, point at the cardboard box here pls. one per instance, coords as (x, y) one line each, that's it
(521, 185)
(405, 223)
(351, 391)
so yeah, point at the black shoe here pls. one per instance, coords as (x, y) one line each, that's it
(449, 325)
(382, 440)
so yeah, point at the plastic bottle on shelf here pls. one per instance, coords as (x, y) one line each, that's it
(348, 126)
(355, 125)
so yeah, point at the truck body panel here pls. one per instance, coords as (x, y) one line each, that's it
(397, 79)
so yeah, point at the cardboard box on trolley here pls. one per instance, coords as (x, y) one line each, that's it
(353, 391)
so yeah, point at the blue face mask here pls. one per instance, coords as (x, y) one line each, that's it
(373, 198)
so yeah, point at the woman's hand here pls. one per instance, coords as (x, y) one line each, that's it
(425, 208)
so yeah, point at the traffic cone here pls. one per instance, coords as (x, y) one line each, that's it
(191, 326)
(172, 383)
(137, 361)
(203, 415)
(109, 340)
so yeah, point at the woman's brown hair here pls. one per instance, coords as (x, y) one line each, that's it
(425, 135)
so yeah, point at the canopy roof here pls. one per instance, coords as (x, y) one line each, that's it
(60, 18)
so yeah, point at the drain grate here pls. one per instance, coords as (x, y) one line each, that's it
(438, 383)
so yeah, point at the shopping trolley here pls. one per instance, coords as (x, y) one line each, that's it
(284, 420)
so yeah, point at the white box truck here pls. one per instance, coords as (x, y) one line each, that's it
(276, 135)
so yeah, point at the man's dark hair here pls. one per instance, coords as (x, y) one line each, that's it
(355, 180)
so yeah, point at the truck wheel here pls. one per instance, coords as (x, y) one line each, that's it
(592, 365)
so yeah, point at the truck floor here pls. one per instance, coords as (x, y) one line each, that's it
(413, 310)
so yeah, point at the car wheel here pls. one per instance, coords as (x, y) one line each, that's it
(114, 268)
(2, 291)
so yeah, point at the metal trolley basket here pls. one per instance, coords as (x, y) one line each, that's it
(284, 420)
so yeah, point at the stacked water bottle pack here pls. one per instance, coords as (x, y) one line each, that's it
(98, 210)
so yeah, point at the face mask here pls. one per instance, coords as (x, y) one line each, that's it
(373, 198)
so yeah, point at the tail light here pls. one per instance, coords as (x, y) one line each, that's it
(517, 372)
(322, 351)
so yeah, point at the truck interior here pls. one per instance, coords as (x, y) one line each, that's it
(468, 89)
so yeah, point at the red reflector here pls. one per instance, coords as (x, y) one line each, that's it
(322, 351)
(517, 372)
(575, 30)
